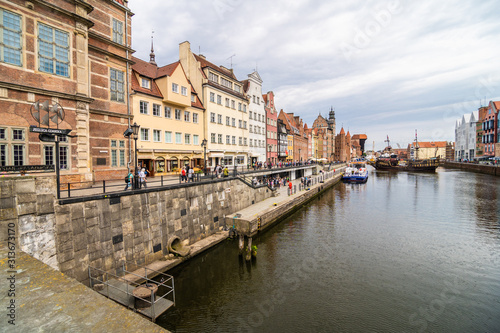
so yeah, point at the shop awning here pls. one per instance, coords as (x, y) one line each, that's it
(212, 154)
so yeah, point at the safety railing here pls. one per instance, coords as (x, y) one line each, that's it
(120, 288)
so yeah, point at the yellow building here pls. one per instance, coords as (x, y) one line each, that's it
(289, 139)
(171, 117)
(226, 115)
(426, 150)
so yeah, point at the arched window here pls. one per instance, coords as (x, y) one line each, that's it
(160, 164)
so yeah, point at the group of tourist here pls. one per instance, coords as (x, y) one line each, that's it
(280, 164)
(129, 179)
(220, 171)
(187, 174)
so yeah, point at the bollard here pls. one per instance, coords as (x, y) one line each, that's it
(249, 249)
(241, 244)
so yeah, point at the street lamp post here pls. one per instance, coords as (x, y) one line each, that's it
(204, 145)
(135, 130)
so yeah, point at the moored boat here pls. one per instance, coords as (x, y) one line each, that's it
(356, 172)
(428, 165)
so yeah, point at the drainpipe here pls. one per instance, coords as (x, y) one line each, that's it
(128, 94)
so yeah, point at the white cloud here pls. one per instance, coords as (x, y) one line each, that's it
(416, 62)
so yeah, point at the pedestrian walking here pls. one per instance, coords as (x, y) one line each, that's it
(190, 175)
(142, 178)
(183, 175)
(128, 180)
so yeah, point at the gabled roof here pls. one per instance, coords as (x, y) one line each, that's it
(152, 71)
(246, 85)
(197, 102)
(144, 68)
(167, 70)
(466, 118)
(153, 91)
(288, 121)
(495, 105)
(360, 136)
(474, 116)
(205, 63)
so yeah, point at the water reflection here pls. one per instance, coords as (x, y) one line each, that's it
(486, 204)
(365, 257)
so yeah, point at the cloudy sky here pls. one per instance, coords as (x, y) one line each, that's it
(386, 67)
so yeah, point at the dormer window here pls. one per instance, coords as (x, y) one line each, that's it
(212, 77)
(226, 83)
(145, 83)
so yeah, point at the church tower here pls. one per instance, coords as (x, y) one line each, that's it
(331, 120)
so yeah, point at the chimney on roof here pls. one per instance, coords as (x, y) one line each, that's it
(152, 54)
(202, 56)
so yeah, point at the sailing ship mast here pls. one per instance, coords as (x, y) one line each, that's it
(416, 146)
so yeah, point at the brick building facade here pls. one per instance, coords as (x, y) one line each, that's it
(69, 55)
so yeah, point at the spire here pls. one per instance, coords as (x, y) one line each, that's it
(332, 113)
(152, 54)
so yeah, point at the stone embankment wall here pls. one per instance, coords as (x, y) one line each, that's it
(105, 232)
(482, 168)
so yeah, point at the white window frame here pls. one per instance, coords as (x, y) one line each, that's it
(167, 112)
(168, 137)
(156, 135)
(156, 110)
(143, 107)
(145, 134)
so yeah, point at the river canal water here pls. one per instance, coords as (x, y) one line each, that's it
(404, 252)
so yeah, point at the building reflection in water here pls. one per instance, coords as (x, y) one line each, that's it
(486, 203)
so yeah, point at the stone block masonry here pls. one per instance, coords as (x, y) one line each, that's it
(105, 232)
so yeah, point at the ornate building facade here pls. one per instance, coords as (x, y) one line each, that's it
(271, 128)
(72, 56)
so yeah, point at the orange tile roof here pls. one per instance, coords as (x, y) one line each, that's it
(432, 144)
(497, 105)
(144, 68)
(167, 70)
(154, 91)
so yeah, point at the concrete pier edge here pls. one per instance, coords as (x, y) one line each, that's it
(278, 212)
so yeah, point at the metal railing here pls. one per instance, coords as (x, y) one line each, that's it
(122, 286)
(82, 189)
